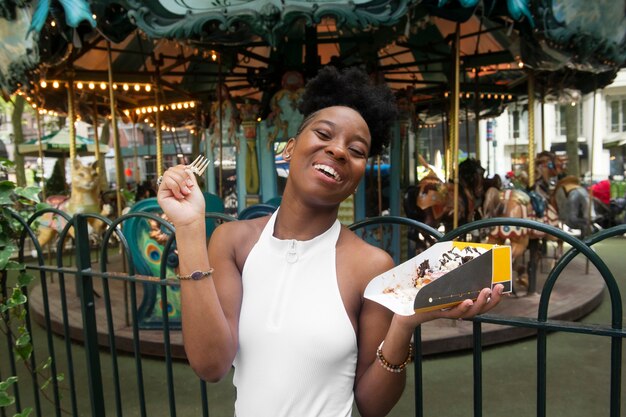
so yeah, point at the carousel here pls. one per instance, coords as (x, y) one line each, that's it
(160, 82)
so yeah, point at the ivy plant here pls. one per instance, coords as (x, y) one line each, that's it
(23, 201)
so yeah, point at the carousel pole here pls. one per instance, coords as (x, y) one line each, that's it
(116, 137)
(543, 118)
(477, 114)
(40, 149)
(531, 128)
(96, 137)
(136, 154)
(454, 125)
(157, 126)
(71, 114)
(219, 115)
(96, 152)
(591, 168)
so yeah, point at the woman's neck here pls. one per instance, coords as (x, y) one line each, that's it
(300, 222)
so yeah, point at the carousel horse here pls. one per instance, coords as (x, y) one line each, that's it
(84, 198)
(431, 201)
(510, 203)
(550, 201)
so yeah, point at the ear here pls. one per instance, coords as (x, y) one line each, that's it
(288, 149)
(76, 163)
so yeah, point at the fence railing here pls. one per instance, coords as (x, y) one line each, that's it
(101, 315)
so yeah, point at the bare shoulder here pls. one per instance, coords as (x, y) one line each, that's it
(237, 237)
(363, 259)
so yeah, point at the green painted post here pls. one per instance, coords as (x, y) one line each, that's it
(88, 310)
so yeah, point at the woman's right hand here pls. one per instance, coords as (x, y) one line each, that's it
(180, 197)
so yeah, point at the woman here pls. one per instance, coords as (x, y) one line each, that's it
(284, 303)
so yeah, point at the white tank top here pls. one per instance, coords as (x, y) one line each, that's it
(297, 347)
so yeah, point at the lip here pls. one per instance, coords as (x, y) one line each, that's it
(326, 177)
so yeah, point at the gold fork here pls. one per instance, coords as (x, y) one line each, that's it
(199, 165)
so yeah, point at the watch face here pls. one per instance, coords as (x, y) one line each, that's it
(197, 275)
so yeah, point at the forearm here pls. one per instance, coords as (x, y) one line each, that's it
(378, 390)
(209, 343)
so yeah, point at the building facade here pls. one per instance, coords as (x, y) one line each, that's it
(601, 133)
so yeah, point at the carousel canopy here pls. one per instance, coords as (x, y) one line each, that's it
(58, 144)
(167, 52)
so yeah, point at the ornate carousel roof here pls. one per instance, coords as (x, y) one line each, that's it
(188, 48)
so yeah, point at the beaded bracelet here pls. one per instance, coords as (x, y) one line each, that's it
(390, 367)
(196, 275)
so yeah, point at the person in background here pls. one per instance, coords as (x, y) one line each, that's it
(281, 297)
(602, 191)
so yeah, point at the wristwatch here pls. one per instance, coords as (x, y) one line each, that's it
(197, 275)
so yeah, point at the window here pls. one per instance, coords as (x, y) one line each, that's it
(515, 122)
(617, 115)
(561, 120)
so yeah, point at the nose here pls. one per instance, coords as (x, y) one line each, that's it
(337, 151)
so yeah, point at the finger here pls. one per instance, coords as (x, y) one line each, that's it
(494, 299)
(486, 300)
(458, 311)
(190, 178)
(175, 180)
(479, 305)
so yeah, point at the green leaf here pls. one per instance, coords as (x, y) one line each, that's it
(45, 384)
(5, 197)
(6, 399)
(7, 185)
(7, 163)
(25, 413)
(45, 365)
(4, 385)
(30, 193)
(23, 340)
(5, 254)
(18, 297)
(24, 352)
(13, 266)
(24, 279)
(41, 206)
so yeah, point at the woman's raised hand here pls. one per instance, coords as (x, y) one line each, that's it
(180, 196)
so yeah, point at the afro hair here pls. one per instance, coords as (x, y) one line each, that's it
(352, 88)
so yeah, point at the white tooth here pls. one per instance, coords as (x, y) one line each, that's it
(329, 170)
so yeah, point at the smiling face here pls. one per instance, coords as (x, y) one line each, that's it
(328, 157)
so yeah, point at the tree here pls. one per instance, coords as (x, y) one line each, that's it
(18, 137)
(571, 135)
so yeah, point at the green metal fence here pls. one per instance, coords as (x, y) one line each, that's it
(107, 395)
